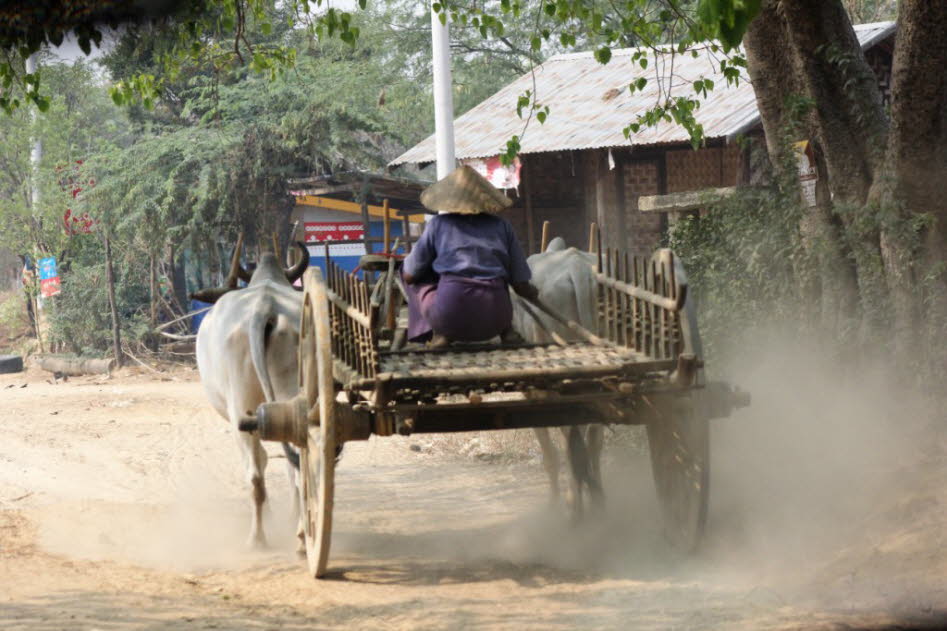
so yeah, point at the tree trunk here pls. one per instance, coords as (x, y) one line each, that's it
(886, 182)
(178, 283)
(77, 365)
(911, 198)
(110, 282)
(153, 291)
(780, 95)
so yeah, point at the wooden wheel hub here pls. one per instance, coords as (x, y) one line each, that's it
(285, 421)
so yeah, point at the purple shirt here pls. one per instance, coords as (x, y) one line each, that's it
(479, 246)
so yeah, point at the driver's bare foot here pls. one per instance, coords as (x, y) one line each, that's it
(438, 341)
(510, 336)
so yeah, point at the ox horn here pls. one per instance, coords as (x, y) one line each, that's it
(295, 272)
(230, 283)
(241, 273)
(275, 245)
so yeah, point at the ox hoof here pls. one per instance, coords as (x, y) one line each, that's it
(301, 543)
(257, 542)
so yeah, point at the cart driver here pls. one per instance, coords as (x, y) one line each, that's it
(457, 275)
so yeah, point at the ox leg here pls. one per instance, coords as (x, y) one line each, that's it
(579, 465)
(550, 461)
(292, 472)
(294, 483)
(595, 439)
(255, 465)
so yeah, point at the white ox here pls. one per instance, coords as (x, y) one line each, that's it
(564, 277)
(246, 353)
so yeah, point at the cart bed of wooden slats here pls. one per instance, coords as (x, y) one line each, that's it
(639, 314)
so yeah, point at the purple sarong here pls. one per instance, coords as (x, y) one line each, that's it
(460, 308)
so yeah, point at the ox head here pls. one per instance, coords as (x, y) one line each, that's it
(238, 273)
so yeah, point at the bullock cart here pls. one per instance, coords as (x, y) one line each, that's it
(643, 366)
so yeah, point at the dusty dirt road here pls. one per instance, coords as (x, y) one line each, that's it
(122, 506)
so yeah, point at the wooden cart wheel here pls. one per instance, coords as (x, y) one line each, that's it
(679, 439)
(317, 458)
(679, 443)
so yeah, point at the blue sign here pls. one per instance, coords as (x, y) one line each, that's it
(47, 268)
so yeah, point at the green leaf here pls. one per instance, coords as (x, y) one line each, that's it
(541, 117)
(603, 55)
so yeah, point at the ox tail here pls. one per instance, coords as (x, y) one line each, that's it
(582, 465)
(579, 457)
(260, 326)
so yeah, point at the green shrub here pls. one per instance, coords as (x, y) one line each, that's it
(80, 317)
(746, 267)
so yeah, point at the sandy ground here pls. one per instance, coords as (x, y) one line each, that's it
(122, 506)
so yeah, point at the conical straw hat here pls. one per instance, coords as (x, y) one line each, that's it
(466, 192)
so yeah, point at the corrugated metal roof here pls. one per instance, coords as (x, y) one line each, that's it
(590, 104)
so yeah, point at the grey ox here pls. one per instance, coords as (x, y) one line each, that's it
(566, 283)
(246, 354)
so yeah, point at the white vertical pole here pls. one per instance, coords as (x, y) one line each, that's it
(36, 152)
(443, 96)
(36, 155)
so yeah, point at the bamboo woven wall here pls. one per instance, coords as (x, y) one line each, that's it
(689, 170)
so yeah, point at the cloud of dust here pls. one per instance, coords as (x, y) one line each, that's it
(807, 484)
(204, 527)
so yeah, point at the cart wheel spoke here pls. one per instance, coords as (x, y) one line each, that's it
(680, 461)
(317, 458)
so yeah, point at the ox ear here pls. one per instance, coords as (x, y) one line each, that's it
(296, 271)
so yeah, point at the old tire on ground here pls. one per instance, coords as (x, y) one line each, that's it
(317, 458)
(679, 442)
(10, 364)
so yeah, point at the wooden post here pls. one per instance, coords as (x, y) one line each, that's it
(406, 230)
(545, 240)
(387, 239)
(110, 283)
(366, 222)
(528, 198)
(593, 237)
(153, 290)
(627, 321)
